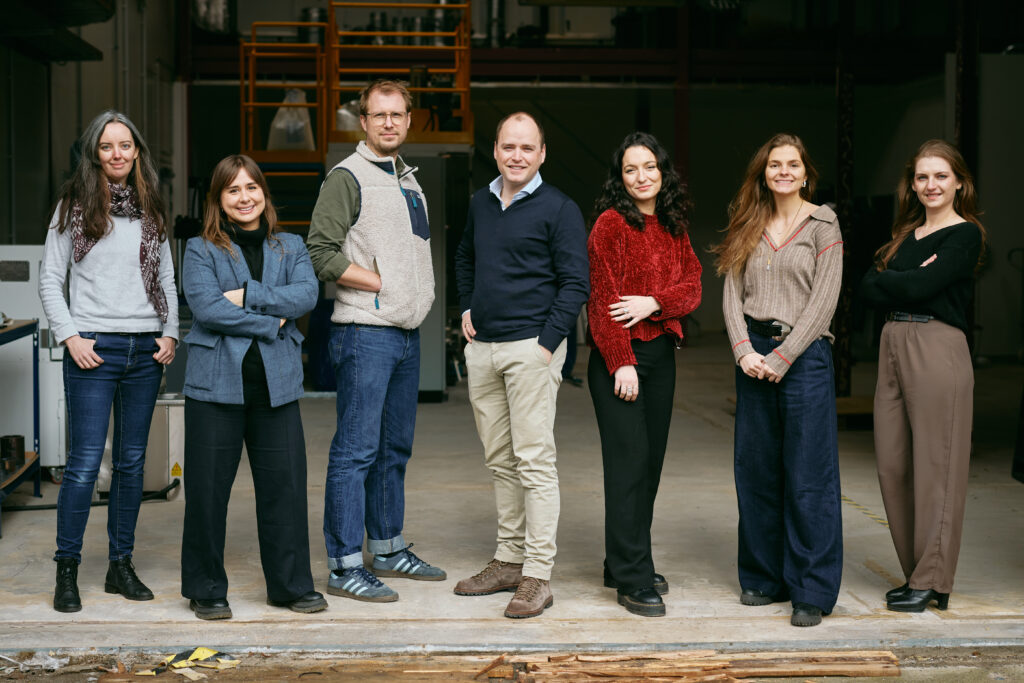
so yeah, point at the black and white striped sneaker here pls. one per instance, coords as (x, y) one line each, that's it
(359, 584)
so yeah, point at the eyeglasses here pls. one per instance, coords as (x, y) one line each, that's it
(380, 118)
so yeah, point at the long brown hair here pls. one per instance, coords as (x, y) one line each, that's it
(754, 205)
(87, 185)
(910, 212)
(213, 216)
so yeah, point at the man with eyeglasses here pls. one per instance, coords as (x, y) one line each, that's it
(522, 275)
(369, 235)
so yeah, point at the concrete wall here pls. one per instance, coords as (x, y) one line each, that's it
(25, 190)
(1001, 141)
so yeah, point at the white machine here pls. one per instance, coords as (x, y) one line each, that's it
(19, 298)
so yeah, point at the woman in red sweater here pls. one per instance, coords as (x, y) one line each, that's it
(644, 277)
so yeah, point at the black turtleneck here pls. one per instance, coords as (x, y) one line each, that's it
(250, 243)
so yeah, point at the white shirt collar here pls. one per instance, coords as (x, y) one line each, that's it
(496, 185)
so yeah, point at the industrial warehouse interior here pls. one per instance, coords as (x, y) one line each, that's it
(862, 83)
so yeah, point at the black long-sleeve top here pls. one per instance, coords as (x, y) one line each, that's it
(942, 289)
(250, 243)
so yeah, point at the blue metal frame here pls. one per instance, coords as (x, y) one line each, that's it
(20, 329)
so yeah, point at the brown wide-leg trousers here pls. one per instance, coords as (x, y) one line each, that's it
(923, 411)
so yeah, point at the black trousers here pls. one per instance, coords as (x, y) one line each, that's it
(214, 433)
(633, 440)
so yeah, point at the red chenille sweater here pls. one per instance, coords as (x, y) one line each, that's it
(650, 262)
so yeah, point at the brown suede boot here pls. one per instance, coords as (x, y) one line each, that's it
(497, 576)
(532, 597)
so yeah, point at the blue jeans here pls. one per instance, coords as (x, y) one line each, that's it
(128, 380)
(378, 375)
(787, 479)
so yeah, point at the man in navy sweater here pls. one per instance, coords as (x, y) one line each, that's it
(522, 276)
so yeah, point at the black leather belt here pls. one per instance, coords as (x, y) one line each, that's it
(901, 317)
(774, 329)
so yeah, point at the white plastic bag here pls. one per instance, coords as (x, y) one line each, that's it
(291, 127)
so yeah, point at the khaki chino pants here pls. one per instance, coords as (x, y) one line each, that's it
(513, 391)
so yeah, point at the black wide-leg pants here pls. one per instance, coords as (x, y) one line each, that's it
(633, 440)
(214, 434)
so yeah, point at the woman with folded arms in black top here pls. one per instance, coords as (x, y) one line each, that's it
(246, 283)
(924, 279)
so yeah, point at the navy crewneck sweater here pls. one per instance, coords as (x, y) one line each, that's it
(523, 271)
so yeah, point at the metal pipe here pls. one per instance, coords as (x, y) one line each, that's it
(495, 22)
(122, 52)
(78, 92)
(10, 142)
(439, 22)
(145, 77)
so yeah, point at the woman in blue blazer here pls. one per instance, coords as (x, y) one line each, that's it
(246, 283)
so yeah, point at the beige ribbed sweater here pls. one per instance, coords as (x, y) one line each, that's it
(800, 288)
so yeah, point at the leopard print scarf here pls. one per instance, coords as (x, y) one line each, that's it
(124, 202)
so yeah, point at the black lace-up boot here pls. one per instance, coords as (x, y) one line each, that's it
(121, 579)
(65, 595)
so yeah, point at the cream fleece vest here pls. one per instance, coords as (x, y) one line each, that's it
(384, 232)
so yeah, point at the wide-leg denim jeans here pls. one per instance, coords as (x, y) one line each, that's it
(128, 380)
(378, 374)
(787, 480)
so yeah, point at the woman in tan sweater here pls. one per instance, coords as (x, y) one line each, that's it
(782, 262)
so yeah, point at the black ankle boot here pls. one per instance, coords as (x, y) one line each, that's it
(65, 595)
(121, 579)
(660, 582)
(896, 592)
(645, 602)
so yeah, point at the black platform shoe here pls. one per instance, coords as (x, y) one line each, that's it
(213, 608)
(753, 597)
(805, 615)
(645, 602)
(306, 604)
(917, 600)
(660, 583)
(896, 592)
(121, 579)
(65, 595)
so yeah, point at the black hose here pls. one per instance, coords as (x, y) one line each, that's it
(152, 495)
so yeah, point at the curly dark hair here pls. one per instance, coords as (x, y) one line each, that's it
(672, 206)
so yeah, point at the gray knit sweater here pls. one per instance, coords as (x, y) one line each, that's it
(800, 288)
(107, 293)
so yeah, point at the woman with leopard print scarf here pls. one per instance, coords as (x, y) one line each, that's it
(119, 329)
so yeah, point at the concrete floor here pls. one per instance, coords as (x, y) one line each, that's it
(451, 519)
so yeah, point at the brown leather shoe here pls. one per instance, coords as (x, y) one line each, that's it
(532, 597)
(497, 576)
